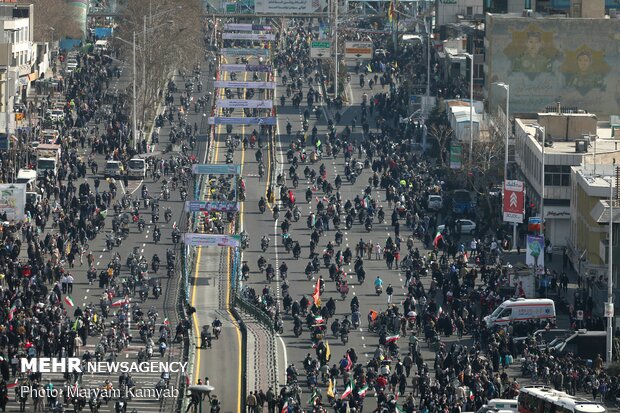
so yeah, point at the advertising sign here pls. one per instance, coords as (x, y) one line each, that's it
(535, 255)
(241, 121)
(286, 7)
(211, 206)
(257, 52)
(358, 50)
(247, 27)
(248, 36)
(456, 156)
(320, 49)
(216, 169)
(514, 201)
(244, 103)
(13, 200)
(211, 240)
(245, 68)
(250, 85)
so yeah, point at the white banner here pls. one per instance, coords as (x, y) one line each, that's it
(247, 27)
(211, 240)
(249, 85)
(257, 52)
(244, 68)
(286, 7)
(248, 36)
(243, 103)
(13, 201)
(358, 50)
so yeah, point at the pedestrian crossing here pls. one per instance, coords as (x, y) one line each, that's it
(145, 397)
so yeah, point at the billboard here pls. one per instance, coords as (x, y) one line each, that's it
(573, 61)
(514, 201)
(245, 68)
(211, 240)
(250, 85)
(248, 36)
(216, 169)
(456, 156)
(244, 103)
(218, 120)
(535, 255)
(286, 7)
(257, 52)
(247, 27)
(13, 201)
(358, 50)
(211, 206)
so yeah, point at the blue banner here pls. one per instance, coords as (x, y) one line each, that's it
(245, 52)
(219, 169)
(211, 206)
(241, 121)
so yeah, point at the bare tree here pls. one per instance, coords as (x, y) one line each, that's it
(487, 162)
(173, 41)
(52, 20)
(442, 133)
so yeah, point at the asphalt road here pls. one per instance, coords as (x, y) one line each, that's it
(84, 293)
(294, 350)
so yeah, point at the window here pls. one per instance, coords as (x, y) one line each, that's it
(470, 11)
(557, 175)
(506, 313)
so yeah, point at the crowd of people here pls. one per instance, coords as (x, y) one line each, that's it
(449, 287)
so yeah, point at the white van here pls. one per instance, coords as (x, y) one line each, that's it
(521, 309)
(500, 405)
(28, 177)
(136, 167)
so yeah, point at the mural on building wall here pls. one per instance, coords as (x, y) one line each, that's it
(584, 69)
(531, 51)
(543, 63)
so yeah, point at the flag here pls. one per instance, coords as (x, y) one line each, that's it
(347, 390)
(166, 321)
(328, 353)
(314, 397)
(391, 11)
(285, 408)
(318, 319)
(69, 301)
(76, 324)
(316, 295)
(399, 409)
(349, 365)
(391, 339)
(439, 311)
(362, 392)
(438, 238)
(466, 257)
(471, 396)
(12, 311)
(120, 303)
(12, 385)
(330, 389)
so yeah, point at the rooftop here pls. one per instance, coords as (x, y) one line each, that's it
(603, 144)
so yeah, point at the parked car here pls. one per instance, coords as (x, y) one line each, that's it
(434, 202)
(467, 226)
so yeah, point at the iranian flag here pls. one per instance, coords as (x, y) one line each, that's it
(347, 390)
(69, 301)
(120, 303)
(362, 392)
(399, 409)
(319, 319)
(438, 237)
(391, 339)
(349, 365)
(439, 311)
(166, 321)
(12, 385)
(285, 408)
(314, 397)
(12, 312)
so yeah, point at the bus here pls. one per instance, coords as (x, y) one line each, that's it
(542, 399)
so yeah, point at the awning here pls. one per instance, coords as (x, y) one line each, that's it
(33, 76)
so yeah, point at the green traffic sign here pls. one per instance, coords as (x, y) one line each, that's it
(231, 7)
(321, 45)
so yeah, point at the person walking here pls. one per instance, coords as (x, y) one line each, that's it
(389, 291)
(251, 403)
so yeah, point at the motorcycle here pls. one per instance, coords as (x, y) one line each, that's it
(378, 289)
(264, 245)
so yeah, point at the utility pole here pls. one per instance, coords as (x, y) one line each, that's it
(471, 112)
(135, 98)
(609, 306)
(335, 2)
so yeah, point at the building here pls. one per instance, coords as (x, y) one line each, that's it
(453, 11)
(550, 57)
(592, 186)
(570, 140)
(16, 53)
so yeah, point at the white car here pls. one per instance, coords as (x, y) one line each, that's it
(57, 115)
(467, 226)
(434, 202)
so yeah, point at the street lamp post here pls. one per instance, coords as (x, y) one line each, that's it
(471, 109)
(335, 2)
(542, 181)
(135, 98)
(610, 276)
(7, 116)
